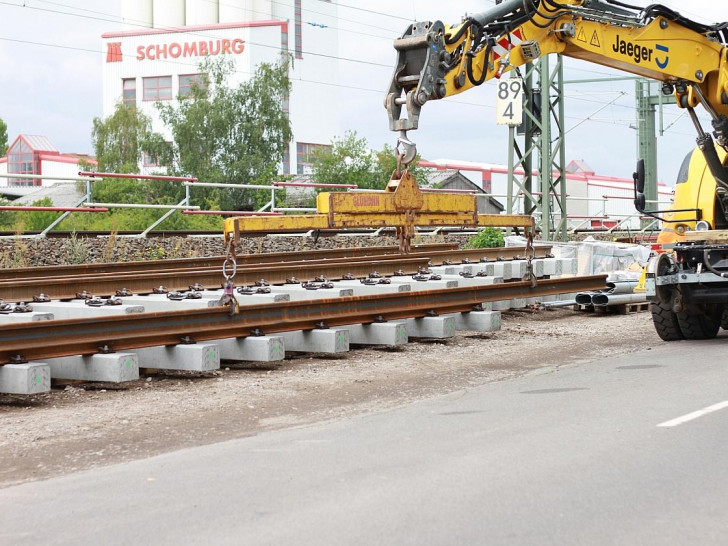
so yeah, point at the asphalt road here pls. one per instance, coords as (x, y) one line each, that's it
(589, 454)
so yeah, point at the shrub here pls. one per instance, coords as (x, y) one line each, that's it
(488, 238)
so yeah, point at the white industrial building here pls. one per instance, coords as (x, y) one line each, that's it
(156, 57)
(35, 155)
(594, 201)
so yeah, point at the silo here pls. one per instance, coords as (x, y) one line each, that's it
(201, 12)
(136, 14)
(169, 13)
(235, 11)
(262, 10)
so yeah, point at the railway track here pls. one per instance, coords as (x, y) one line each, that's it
(67, 282)
(438, 254)
(320, 291)
(39, 340)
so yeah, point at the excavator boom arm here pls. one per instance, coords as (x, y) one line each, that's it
(436, 61)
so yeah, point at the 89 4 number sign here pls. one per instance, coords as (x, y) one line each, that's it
(509, 103)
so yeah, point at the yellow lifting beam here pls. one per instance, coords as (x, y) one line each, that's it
(402, 206)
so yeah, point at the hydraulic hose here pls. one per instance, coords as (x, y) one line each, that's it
(467, 24)
(471, 74)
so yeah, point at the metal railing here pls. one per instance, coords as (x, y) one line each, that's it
(86, 204)
(609, 222)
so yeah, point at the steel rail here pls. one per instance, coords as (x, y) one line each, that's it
(474, 255)
(438, 254)
(54, 339)
(178, 264)
(106, 284)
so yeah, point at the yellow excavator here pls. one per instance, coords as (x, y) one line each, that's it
(687, 286)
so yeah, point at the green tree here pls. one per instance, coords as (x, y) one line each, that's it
(231, 134)
(3, 138)
(121, 140)
(387, 164)
(349, 160)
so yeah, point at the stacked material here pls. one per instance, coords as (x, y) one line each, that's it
(620, 291)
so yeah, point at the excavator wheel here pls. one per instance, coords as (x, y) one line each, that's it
(724, 321)
(665, 321)
(704, 325)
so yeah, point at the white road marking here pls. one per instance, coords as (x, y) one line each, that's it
(694, 415)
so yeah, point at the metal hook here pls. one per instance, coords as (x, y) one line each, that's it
(409, 148)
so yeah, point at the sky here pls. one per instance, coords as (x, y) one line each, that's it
(50, 54)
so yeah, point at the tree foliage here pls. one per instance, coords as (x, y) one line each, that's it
(224, 132)
(349, 160)
(234, 134)
(121, 140)
(3, 137)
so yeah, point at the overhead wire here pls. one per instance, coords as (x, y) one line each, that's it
(308, 10)
(582, 120)
(344, 86)
(192, 33)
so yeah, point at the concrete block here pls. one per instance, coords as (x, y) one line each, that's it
(213, 296)
(474, 281)
(257, 299)
(31, 378)
(253, 349)
(569, 266)
(297, 293)
(431, 327)
(518, 269)
(155, 304)
(550, 266)
(199, 357)
(78, 309)
(360, 289)
(478, 321)
(454, 269)
(518, 303)
(538, 268)
(15, 318)
(111, 368)
(488, 268)
(503, 269)
(333, 341)
(419, 286)
(504, 305)
(379, 333)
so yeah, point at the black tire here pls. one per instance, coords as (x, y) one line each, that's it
(724, 321)
(704, 325)
(665, 321)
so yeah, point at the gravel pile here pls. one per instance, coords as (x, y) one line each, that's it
(79, 250)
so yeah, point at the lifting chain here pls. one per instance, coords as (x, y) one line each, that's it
(229, 270)
(531, 253)
(398, 172)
